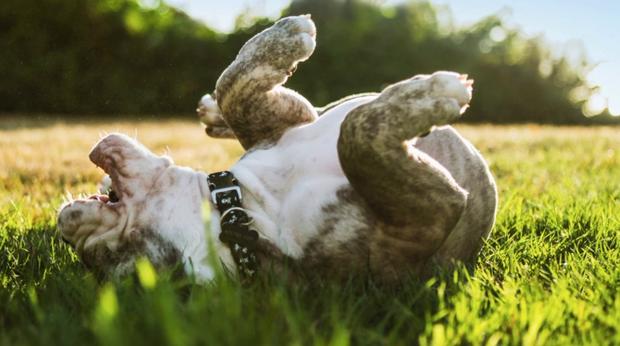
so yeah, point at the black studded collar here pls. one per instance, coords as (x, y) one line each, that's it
(235, 223)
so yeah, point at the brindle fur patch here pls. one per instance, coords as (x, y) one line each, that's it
(249, 92)
(416, 199)
(355, 244)
(341, 249)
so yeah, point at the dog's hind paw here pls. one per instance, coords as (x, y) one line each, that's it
(453, 86)
(441, 97)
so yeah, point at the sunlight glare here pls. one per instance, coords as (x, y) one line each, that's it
(604, 76)
(595, 105)
(498, 34)
(613, 105)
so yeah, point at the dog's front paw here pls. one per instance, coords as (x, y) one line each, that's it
(211, 116)
(289, 41)
(208, 112)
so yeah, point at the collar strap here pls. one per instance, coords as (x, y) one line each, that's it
(235, 222)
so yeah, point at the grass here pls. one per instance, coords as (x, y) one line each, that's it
(549, 274)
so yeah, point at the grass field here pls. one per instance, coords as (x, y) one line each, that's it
(549, 274)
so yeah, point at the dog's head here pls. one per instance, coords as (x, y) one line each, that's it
(152, 208)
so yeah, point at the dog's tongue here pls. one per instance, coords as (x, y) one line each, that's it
(100, 198)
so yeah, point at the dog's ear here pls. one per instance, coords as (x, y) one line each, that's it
(210, 115)
(108, 263)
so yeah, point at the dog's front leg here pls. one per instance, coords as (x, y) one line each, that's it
(411, 191)
(210, 115)
(249, 93)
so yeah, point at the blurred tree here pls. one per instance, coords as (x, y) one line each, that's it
(120, 56)
(363, 47)
(105, 56)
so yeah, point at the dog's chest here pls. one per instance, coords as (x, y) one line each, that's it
(293, 187)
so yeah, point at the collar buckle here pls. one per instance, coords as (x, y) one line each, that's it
(215, 192)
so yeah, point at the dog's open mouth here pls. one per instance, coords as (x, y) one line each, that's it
(107, 194)
(109, 186)
(130, 168)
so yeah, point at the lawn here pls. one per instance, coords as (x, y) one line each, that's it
(548, 274)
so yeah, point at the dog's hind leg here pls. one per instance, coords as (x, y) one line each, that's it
(416, 197)
(249, 93)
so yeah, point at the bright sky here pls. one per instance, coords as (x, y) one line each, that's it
(595, 24)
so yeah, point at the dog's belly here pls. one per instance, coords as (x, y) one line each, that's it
(289, 185)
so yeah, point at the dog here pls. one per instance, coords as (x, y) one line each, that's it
(376, 185)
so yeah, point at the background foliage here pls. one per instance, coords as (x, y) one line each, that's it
(119, 56)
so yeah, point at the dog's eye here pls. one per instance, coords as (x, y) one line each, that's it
(113, 197)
